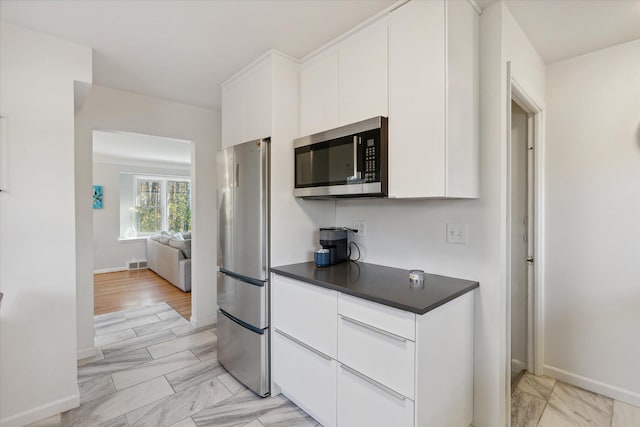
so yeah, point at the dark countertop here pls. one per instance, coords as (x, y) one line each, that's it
(377, 283)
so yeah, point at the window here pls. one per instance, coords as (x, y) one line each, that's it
(162, 203)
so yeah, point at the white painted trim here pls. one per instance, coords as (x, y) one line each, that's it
(133, 239)
(608, 390)
(42, 412)
(85, 353)
(200, 323)
(507, 360)
(325, 47)
(515, 91)
(517, 365)
(252, 64)
(530, 104)
(109, 270)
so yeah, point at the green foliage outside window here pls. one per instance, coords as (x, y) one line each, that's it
(150, 206)
(178, 196)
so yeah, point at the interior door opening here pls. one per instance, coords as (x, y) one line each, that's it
(147, 183)
(521, 239)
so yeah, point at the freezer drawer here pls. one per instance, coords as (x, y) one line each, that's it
(243, 300)
(244, 353)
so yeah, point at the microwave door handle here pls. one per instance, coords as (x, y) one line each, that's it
(356, 139)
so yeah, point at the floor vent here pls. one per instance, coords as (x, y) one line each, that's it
(136, 265)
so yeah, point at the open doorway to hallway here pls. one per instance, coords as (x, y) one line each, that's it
(142, 227)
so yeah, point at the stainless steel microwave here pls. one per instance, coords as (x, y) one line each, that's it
(349, 161)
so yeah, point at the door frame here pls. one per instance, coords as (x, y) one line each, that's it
(535, 337)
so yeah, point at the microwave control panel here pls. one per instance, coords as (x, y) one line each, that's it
(370, 157)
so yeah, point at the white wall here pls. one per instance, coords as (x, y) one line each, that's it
(37, 249)
(110, 223)
(411, 233)
(592, 295)
(110, 109)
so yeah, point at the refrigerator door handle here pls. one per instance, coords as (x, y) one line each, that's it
(245, 279)
(237, 176)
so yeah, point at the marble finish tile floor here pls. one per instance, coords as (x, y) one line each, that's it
(154, 369)
(545, 402)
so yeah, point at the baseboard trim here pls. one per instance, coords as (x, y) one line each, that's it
(201, 323)
(517, 365)
(608, 390)
(109, 270)
(87, 352)
(41, 412)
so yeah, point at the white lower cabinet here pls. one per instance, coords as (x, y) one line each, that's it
(381, 366)
(306, 376)
(363, 402)
(380, 355)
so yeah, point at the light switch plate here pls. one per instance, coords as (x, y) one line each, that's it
(457, 233)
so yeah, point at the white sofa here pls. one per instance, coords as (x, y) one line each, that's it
(171, 259)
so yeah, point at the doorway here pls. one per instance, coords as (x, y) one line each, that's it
(521, 237)
(524, 234)
(147, 185)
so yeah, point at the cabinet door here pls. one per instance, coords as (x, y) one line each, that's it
(305, 376)
(319, 95)
(233, 112)
(462, 100)
(257, 102)
(309, 313)
(417, 100)
(363, 75)
(363, 402)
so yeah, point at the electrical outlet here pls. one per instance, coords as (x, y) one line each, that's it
(361, 226)
(457, 233)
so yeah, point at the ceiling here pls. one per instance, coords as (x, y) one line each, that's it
(183, 50)
(561, 29)
(118, 146)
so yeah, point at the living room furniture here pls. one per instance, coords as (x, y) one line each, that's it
(170, 258)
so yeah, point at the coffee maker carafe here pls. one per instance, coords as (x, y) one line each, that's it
(335, 240)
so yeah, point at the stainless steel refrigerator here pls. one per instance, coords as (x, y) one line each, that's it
(243, 263)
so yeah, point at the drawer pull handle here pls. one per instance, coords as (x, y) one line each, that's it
(373, 328)
(301, 344)
(373, 383)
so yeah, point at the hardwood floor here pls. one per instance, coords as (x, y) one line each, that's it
(125, 289)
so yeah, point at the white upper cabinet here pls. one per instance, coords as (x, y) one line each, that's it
(347, 83)
(246, 105)
(319, 95)
(257, 105)
(433, 100)
(233, 95)
(363, 75)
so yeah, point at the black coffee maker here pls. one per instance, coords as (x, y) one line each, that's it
(335, 240)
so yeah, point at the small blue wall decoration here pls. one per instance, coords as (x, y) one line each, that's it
(97, 197)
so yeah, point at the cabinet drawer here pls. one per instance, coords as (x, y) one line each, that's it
(386, 358)
(305, 376)
(307, 313)
(364, 403)
(398, 322)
